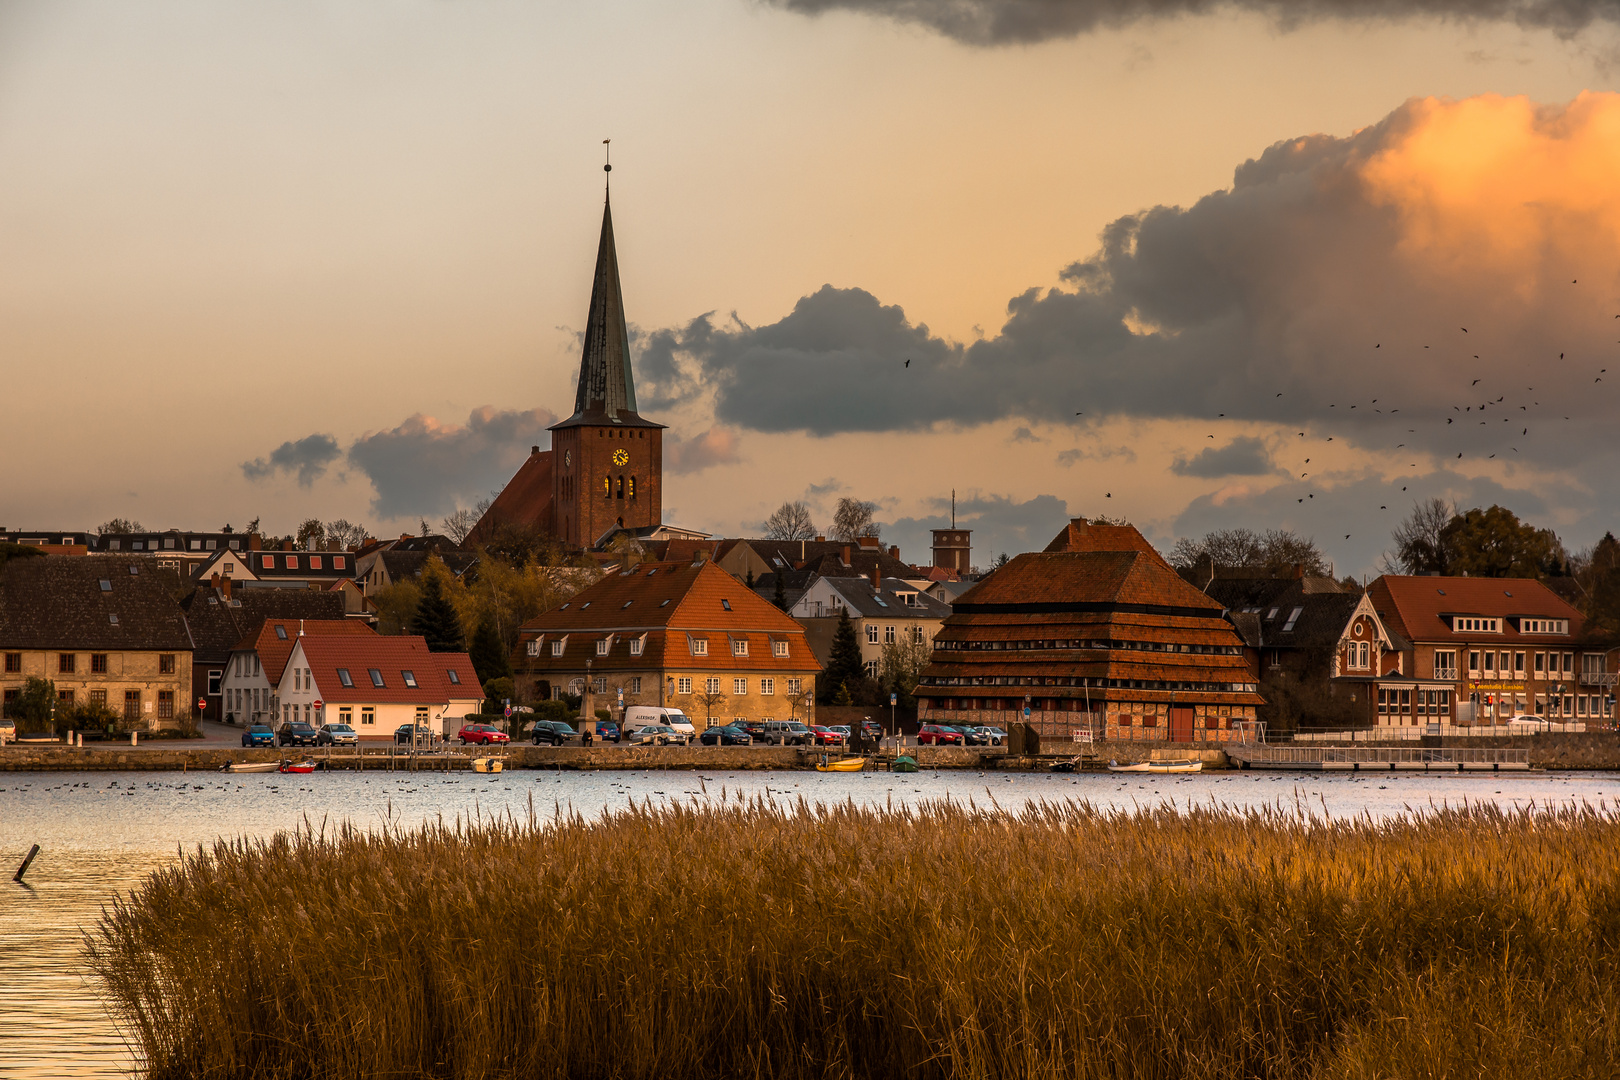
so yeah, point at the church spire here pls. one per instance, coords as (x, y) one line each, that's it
(605, 383)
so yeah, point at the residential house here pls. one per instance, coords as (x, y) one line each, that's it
(884, 612)
(1483, 650)
(1104, 637)
(104, 629)
(682, 635)
(374, 683)
(223, 612)
(390, 565)
(257, 662)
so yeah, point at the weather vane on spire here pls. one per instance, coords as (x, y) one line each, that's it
(607, 153)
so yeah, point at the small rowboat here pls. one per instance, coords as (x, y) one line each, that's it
(305, 766)
(1158, 766)
(249, 766)
(849, 764)
(486, 764)
(904, 763)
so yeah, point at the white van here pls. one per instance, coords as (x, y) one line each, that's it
(636, 716)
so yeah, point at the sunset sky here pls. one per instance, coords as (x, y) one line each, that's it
(332, 259)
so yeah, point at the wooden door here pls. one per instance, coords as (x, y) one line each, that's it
(1181, 723)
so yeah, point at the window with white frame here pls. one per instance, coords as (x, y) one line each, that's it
(601, 684)
(1460, 624)
(739, 646)
(635, 684)
(871, 669)
(1544, 626)
(794, 686)
(888, 635)
(683, 685)
(739, 686)
(916, 635)
(767, 686)
(711, 685)
(1445, 664)
(534, 647)
(636, 645)
(603, 645)
(779, 648)
(698, 646)
(1473, 662)
(557, 646)
(871, 634)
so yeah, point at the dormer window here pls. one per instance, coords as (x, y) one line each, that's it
(739, 646)
(340, 562)
(779, 648)
(558, 646)
(603, 646)
(698, 646)
(1543, 626)
(1469, 624)
(637, 644)
(292, 562)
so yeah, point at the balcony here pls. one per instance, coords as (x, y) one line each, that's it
(1604, 679)
(1446, 674)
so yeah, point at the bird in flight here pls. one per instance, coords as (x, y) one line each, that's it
(1474, 383)
(908, 361)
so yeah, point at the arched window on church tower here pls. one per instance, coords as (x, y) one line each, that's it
(621, 486)
(632, 487)
(607, 487)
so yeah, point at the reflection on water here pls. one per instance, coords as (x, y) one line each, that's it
(101, 832)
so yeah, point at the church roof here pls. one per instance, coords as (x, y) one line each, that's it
(607, 389)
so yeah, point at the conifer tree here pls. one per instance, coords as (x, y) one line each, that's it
(780, 598)
(488, 652)
(844, 667)
(435, 618)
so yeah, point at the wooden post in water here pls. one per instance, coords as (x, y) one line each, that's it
(23, 869)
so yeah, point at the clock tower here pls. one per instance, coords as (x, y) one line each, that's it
(607, 462)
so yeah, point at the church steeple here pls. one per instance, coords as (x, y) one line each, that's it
(606, 385)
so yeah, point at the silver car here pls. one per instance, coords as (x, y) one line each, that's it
(655, 735)
(336, 735)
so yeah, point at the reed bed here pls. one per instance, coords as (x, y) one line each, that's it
(738, 939)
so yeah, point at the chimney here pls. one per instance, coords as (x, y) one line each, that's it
(846, 556)
(877, 577)
(255, 542)
(300, 627)
(225, 587)
(404, 536)
(286, 545)
(1299, 571)
(821, 539)
(213, 580)
(534, 449)
(894, 551)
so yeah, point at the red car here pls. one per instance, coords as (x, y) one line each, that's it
(826, 736)
(936, 735)
(483, 734)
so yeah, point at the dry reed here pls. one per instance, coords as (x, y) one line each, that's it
(742, 940)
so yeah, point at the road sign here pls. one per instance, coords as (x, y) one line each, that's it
(894, 699)
(202, 703)
(319, 703)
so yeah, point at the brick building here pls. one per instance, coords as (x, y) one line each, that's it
(1096, 632)
(677, 634)
(1483, 650)
(104, 629)
(605, 468)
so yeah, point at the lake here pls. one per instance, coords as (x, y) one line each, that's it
(100, 832)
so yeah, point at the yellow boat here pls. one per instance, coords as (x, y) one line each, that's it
(849, 764)
(486, 764)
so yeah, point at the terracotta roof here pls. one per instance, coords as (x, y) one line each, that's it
(218, 624)
(60, 603)
(1071, 579)
(391, 655)
(525, 500)
(1081, 535)
(274, 639)
(1419, 608)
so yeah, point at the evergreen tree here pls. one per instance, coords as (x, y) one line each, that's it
(844, 667)
(780, 598)
(750, 579)
(488, 652)
(435, 618)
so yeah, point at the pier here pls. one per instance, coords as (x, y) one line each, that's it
(1377, 758)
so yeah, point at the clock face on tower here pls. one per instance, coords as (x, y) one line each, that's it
(620, 456)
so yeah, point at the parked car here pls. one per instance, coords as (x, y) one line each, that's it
(754, 728)
(871, 729)
(826, 736)
(608, 731)
(971, 735)
(336, 735)
(8, 732)
(788, 733)
(938, 735)
(482, 734)
(842, 729)
(296, 733)
(423, 736)
(555, 732)
(726, 735)
(641, 715)
(996, 736)
(656, 735)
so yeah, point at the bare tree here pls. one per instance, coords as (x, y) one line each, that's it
(853, 520)
(790, 522)
(459, 524)
(1275, 552)
(1420, 547)
(347, 534)
(709, 698)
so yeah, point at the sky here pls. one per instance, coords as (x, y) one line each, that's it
(1194, 265)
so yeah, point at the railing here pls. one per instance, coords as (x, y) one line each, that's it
(1446, 674)
(1604, 679)
(1317, 755)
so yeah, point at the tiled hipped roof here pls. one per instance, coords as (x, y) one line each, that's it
(62, 603)
(666, 606)
(392, 656)
(274, 639)
(1421, 608)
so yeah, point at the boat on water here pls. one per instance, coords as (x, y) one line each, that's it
(486, 764)
(1158, 766)
(904, 763)
(849, 764)
(250, 766)
(305, 766)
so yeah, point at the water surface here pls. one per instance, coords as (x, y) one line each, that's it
(101, 832)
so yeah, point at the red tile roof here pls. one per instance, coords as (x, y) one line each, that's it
(391, 655)
(1088, 577)
(1081, 535)
(525, 500)
(273, 649)
(1419, 608)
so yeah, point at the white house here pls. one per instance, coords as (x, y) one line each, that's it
(375, 683)
(255, 667)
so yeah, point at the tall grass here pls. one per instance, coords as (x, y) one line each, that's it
(742, 940)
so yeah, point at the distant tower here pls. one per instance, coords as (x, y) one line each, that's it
(953, 547)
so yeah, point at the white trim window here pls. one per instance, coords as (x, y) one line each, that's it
(603, 645)
(637, 644)
(559, 645)
(767, 686)
(739, 687)
(871, 633)
(779, 648)
(697, 646)
(683, 685)
(711, 685)
(794, 686)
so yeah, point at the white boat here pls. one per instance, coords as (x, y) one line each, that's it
(1158, 766)
(250, 766)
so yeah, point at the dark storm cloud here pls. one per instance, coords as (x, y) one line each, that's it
(1020, 22)
(306, 458)
(425, 467)
(1243, 456)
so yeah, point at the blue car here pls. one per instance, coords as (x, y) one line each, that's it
(259, 735)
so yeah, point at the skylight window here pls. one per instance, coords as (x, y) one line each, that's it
(627, 603)
(726, 604)
(106, 586)
(1293, 617)
(345, 678)
(455, 677)
(409, 677)
(113, 619)
(281, 632)
(376, 677)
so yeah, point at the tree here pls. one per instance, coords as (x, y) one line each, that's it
(252, 527)
(1418, 545)
(779, 594)
(853, 520)
(119, 525)
(1495, 543)
(1598, 573)
(1274, 553)
(458, 525)
(844, 665)
(348, 534)
(901, 666)
(791, 521)
(32, 707)
(19, 551)
(311, 534)
(435, 618)
(749, 580)
(709, 699)
(488, 653)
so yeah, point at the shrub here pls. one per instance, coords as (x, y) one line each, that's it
(943, 941)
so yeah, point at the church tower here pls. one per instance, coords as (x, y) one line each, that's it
(607, 463)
